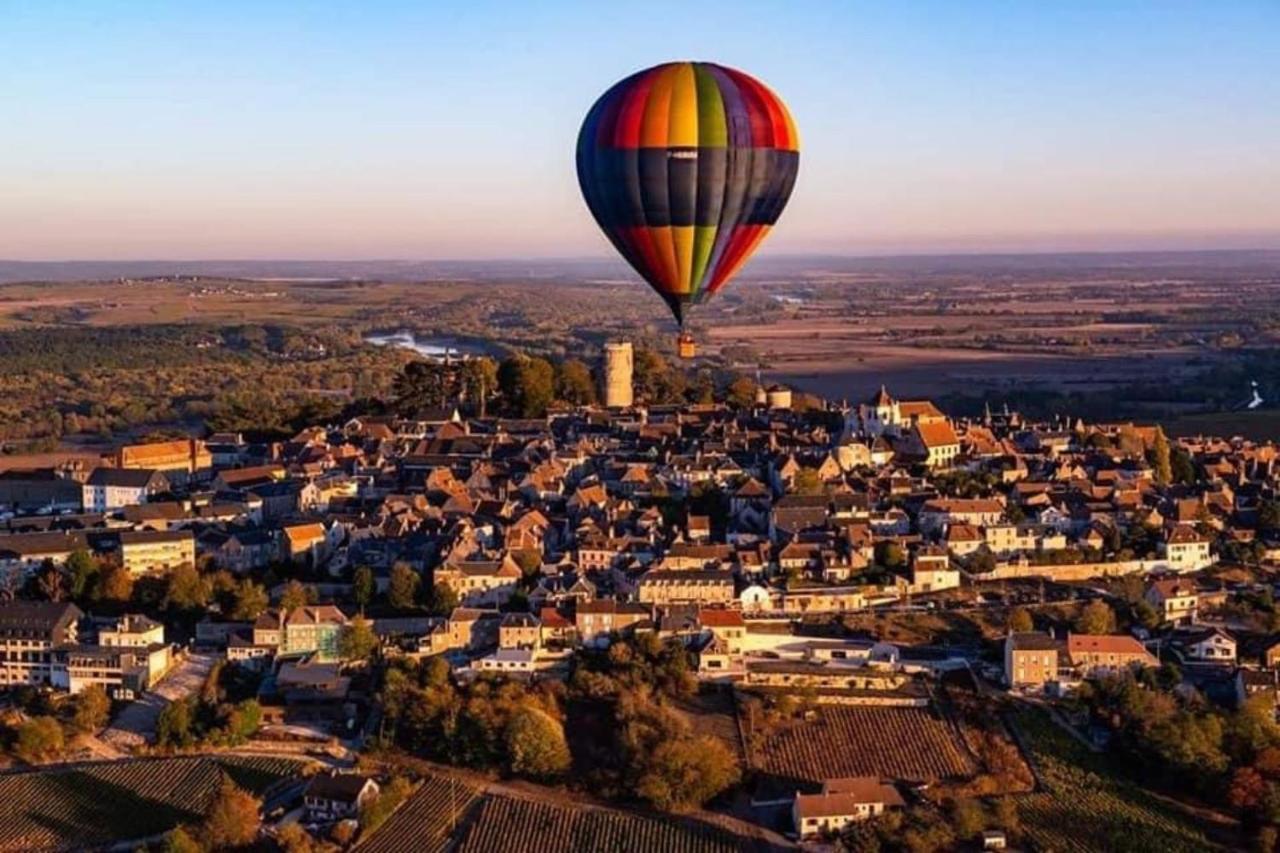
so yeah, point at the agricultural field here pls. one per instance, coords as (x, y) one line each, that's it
(908, 744)
(1081, 790)
(449, 812)
(515, 824)
(102, 804)
(425, 823)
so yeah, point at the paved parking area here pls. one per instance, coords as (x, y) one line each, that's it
(135, 725)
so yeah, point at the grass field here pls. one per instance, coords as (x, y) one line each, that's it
(1087, 806)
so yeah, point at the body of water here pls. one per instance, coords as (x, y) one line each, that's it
(433, 347)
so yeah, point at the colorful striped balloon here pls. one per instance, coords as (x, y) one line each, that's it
(686, 166)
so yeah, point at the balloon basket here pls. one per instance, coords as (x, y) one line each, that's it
(685, 346)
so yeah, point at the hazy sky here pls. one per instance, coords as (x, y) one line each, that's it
(446, 130)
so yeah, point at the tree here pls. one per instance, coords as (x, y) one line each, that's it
(685, 772)
(1159, 458)
(232, 820)
(356, 641)
(1246, 789)
(1096, 617)
(403, 589)
(982, 561)
(180, 840)
(173, 726)
(243, 721)
(292, 838)
(1148, 617)
(426, 385)
(1020, 621)
(890, 554)
(92, 709)
(82, 569)
(741, 393)
(186, 589)
(536, 745)
(807, 482)
(248, 601)
(51, 583)
(293, 597)
(1269, 515)
(39, 739)
(480, 380)
(967, 818)
(1005, 814)
(115, 584)
(362, 586)
(528, 385)
(443, 599)
(574, 383)
(1182, 469)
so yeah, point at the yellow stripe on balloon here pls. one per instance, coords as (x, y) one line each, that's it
(682, 238)
(683, 130)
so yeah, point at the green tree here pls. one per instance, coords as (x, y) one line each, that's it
(890, 554)
(83, 569)
(185, 589)
(402, 591)
(243, 721)
(92, 709)
(173, 726)
(536, 745)
(39, 739)
(528, 385)
(232, 820)
(249, 600)
(1020, 620)
(574, 383)
(443, 599)
(293, 596)
(1096, 617)
(426, 385)
(480, 381)
(1181, 467)
(1159, 458)
(682, 773)
(362, 586)
(356, 641)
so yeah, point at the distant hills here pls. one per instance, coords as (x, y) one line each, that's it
(1174, 264)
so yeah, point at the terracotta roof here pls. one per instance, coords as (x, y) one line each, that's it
(936, 433)
(1111, 644)
(720, 618)
(843, 796)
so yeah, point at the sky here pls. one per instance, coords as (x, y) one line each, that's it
(424, 130)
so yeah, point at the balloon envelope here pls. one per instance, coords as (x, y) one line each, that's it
(686, 166)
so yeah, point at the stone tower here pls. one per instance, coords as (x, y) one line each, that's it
(617, 374)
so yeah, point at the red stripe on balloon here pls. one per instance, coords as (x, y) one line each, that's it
(631, 115)
(743, 240)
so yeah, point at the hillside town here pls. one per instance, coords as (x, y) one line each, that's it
(800, 565)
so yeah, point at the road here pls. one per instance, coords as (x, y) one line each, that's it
(135, 725)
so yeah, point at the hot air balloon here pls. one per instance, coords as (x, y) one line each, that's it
(686, 166)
